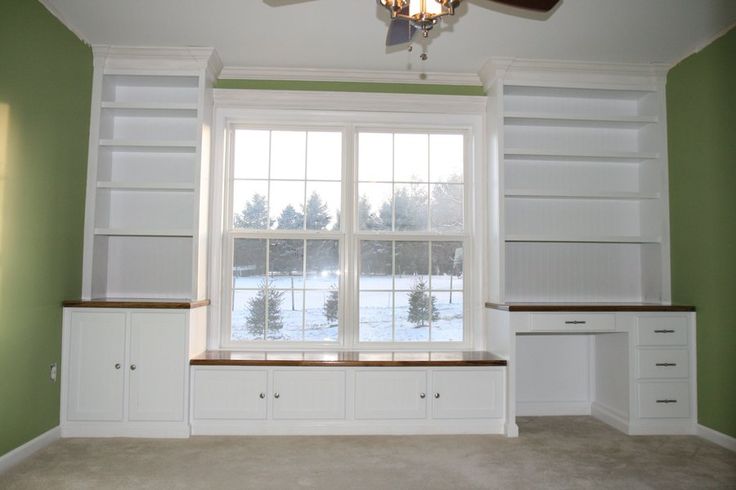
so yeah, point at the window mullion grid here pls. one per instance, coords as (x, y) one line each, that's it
(304, 288)
(267, 288)
(429, 272)
(349, 255)
(268, 186)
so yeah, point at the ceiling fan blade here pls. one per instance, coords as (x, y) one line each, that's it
(540, 5)
(400, 31)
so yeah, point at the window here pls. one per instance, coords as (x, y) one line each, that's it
(345, 236)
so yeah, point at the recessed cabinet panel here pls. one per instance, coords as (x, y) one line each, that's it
(96, 366)
(230, 393)
(317, 393)
(663, 363)
(664, 400)
(467, 393)
(662, 330)
(573, 321)
(157, 366)
(391, 394)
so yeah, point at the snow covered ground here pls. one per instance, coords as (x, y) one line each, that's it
(376, 313)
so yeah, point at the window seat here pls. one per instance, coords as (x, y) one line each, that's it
(346, 359)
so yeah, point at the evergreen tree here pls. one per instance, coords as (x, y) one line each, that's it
(409, 208)
(422, 305)
(255, 214)
(447, 206)
(330, 309)
(256, 320)
(368, 220)
(317, 213)
(290, 219)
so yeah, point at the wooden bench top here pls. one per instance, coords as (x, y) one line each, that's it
(602, 307)
(154, 304)
(347, 359)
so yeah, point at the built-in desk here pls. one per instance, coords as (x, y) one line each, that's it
(631, 365)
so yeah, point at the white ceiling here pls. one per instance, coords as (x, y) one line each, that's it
(349, 34)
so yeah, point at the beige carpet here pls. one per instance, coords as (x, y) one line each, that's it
(552, 453)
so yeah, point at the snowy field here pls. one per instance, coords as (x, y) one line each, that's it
(376, 312)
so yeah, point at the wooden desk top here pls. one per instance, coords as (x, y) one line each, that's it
(347, 359)
(602, 307)
(164, 304)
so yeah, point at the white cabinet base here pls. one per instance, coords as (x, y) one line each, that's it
(350, 401)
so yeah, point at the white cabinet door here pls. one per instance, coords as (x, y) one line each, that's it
(467, 393)
(96, 366)
(229, 393)
(157, 366)
(390, 394)
(317, 393)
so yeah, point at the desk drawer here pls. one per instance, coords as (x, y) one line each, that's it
(663, 363)
(664, 400)
(572, 322)
(663, 330)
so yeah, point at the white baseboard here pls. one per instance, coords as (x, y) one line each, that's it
(538, 409)
(151, 430)
(22, 452)
(611, 417)
(345, 427)
(716, 437)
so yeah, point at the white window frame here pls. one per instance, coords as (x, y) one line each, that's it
(353, 112)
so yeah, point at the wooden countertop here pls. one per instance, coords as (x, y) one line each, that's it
(347, 359)
(603, 307)
(164, 304)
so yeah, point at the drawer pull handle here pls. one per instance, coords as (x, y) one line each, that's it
(666, 330)
(575, 322)
(666, 364)
(666, 401)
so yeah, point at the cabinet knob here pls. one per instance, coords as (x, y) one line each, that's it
(262, 396)
(436, 395)
(133, 367)
(422, 395)
(276, 395)
(117, 365)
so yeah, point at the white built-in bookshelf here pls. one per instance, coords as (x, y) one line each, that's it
(146, 222)
(578, 188)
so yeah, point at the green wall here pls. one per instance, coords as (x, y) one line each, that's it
(701, 107)
(394, 88)
(45, 88)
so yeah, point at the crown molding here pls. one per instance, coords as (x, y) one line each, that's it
(349, 101)
(340, 75)
(579, 74)
(157, 59)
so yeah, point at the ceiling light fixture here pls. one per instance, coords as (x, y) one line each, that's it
(421, 14)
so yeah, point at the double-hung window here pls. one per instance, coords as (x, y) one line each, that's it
(353, 235)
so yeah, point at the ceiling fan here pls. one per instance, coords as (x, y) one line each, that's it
(409, 16)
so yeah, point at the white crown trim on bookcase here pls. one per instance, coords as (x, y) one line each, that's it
(142, 58)
(349, 101)
(340, 75)
(579, 74)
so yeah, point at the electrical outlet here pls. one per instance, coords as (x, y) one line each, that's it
(52, 372)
